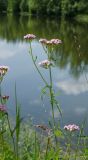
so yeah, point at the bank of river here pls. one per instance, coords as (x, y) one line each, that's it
(82, 18)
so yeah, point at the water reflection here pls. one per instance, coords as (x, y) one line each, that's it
(71, 60)
(74, 50)
(71, 87)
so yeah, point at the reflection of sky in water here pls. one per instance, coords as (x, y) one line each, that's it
(73, 87)
(73, 93)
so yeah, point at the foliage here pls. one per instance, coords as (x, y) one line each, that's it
(3, 5)
(45, 7)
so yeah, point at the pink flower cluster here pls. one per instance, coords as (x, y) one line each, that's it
(56, 41)
(30, 36)
(45, 64)
(71, 127)
(50, 42)
(3, 108)
(3, 70)
(43, 41)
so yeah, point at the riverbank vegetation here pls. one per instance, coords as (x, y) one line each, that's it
(45, 7)
(19, 140)
(82, 18)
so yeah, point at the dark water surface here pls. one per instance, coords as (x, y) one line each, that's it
(69, 76)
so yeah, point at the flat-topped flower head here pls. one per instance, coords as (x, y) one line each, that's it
(71, 127)
(50, 42)
(45, 64)
(30, 36)
(43, 41)
(3, 71)
(56, 41)
(3, 109)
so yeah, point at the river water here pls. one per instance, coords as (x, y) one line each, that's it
(70, 74)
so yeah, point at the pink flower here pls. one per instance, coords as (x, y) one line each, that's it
(45, 64)
(50, 42)
(56, 41)
(30, 36)
(71, 127)
(3, 108)
(43, 41)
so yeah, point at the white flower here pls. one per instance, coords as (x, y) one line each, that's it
(45, 64)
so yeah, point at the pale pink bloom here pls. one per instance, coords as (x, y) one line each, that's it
(3, 108)
(30, 36)
(71, 127)
(43, 41)
(50, 42)
(45, 64)
(56, 41)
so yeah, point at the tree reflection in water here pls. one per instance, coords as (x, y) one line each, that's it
(74, 50)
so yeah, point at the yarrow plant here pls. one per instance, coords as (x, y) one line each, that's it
(71, 127)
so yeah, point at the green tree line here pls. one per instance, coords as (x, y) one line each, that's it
(48, 7)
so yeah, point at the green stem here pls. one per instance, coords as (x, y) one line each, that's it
(44, 49)
(17, 123)
(35, 146)
(68, 150)
(11, 132)
(36, 66)
(51, 95)
(52, 102)
(47, 147)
